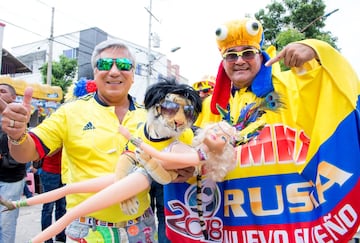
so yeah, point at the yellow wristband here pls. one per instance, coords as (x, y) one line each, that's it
(18, 141)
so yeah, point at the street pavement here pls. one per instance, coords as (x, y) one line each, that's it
(28, 223)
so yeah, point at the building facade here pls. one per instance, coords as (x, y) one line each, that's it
(79, 45)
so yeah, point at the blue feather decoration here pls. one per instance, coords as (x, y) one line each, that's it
(248, 125)
(225, 114)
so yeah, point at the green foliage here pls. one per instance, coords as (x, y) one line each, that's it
(63, 72)
(287, 36)
(272, 20)
(294, 20)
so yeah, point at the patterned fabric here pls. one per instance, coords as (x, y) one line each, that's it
(140, 230)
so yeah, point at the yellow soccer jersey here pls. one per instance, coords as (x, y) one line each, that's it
(89, 133)
(160, 144)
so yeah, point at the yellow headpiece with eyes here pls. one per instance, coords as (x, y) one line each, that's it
(244, 32)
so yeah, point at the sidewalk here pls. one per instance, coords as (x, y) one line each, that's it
(28, 224)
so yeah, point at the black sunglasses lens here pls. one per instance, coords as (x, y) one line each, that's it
(169, 108)
(189, 112)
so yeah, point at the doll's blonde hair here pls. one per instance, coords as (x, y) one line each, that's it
(218, 164)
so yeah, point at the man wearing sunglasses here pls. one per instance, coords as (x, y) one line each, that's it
(87, 130)
(205, 86)
(286, 186)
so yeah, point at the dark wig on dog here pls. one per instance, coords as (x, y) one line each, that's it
(158, 91)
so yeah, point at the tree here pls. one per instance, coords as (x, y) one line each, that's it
(63, 72)
(294, 20)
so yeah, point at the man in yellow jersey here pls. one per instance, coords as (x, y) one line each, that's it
(87, 128)
(298, 179)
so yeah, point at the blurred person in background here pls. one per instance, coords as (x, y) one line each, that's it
(205, 86)
(51, 179)
(27, 192)
(12, 175)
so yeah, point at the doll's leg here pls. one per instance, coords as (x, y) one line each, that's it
(91, 185)
(125, 166)
(115, 193)
(154, 168)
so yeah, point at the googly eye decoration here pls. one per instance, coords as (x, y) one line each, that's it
(252, 27)
(221, 33)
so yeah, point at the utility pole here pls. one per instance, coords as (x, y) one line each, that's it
(51, 40)
(150, 57)
(149, 47)
(2, 26)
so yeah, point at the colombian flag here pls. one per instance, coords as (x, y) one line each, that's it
(298, 181)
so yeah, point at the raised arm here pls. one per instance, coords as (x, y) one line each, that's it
(15, 117)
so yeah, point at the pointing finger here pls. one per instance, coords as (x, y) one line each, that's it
(277, 58)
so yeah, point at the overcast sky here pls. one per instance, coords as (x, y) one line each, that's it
(189, 24)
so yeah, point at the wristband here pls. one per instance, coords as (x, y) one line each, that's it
(202, 154)
(18, 141)
(136, 141)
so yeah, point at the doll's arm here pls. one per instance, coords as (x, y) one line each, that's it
(92, 185)
(125, 165)
(173, 160)
(117, 192)
(154, 168)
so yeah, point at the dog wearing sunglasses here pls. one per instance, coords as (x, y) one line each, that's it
(172, 110)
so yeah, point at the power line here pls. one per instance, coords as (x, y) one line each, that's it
(71, 38)
(27, 30)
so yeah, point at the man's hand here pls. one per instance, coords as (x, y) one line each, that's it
(294, 55)
(15, 116)
(184, 174)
